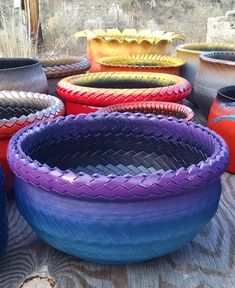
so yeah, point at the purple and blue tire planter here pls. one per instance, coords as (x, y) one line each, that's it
(3, 215)
(118, 187)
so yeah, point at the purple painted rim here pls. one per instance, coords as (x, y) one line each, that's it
(156, 185)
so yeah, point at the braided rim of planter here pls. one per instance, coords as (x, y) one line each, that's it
(220, 57)
(130, 35)
(198, 48)
(62, 66)
(142, 61)
(76, 88)
(30, 106)
(127, 187)
(169, 109)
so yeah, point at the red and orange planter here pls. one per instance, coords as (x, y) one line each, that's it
(222, 120)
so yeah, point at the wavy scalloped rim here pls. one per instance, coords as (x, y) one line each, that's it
(130, 35)
(127, 187)
(148, 61)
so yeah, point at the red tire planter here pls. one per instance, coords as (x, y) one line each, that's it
(154, 107)
(90, 92)
(19, 109)
(221, 120)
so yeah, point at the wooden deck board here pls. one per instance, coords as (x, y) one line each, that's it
(207, 262)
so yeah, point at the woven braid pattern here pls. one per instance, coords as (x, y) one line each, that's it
(18, 109)
(63, 66)
(92, 186)
(116, 157)
(76, 88)
(142, 61)
(154, 107)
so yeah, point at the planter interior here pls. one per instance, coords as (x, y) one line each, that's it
(228, 93)
(141, 61)
(230, 56)
(127, 82)
(15, 108)
(206, 47)
(8, 63)
(116, 153)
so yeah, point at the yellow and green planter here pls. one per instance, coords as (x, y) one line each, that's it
(110, 42)
(141, 63)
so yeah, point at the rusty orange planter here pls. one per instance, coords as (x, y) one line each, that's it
(110, 42)
(141, 63)
(222, 120)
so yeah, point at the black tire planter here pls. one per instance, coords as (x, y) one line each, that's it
(22, 74)
(59, 67)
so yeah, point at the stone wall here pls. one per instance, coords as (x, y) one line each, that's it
(221, 28)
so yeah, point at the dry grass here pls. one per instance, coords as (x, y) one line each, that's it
(60, 19)
(14, 40)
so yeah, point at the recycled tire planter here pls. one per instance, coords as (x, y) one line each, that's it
(119, 187)
(59, 67)
(22, 74)
(216, 70)
(154, 107)
(110, 42)
(19, 109)
(3, 216)
(141, 63)
(191, 53)
(90, 92)
(221, 120)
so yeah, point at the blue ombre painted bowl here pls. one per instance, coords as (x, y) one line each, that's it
(98, 187)
(3, 216)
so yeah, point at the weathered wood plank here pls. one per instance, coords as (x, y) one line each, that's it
(207, 262)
